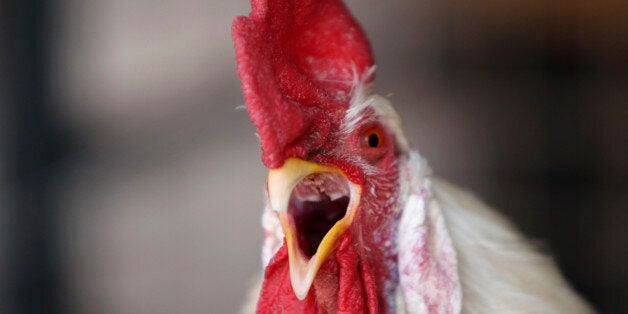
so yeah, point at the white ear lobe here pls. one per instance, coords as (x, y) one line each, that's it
(428, 273)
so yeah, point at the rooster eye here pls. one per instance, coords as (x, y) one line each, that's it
(372, 137)
(373, 143)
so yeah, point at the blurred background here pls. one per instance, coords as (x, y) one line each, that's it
(129, 183)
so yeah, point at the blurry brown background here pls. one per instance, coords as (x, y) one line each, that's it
(131, 184)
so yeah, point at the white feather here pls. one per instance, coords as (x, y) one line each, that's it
(499, 270)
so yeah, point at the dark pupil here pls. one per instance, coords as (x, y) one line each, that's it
(373, 140)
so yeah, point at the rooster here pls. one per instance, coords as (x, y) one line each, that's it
(354, 220)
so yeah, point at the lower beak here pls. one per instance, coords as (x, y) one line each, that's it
(281, 182)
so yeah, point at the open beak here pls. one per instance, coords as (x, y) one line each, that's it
(316, 204)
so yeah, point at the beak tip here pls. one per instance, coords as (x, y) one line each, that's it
(301, 291)
(301, 297)
(300, 284)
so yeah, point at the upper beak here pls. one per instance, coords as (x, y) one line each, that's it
(281, 182)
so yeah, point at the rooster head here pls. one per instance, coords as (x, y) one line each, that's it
(332, 153)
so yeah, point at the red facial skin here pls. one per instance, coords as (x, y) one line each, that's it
(363, 262)
(376, 222)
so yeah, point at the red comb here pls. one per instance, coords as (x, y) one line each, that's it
(297, 61)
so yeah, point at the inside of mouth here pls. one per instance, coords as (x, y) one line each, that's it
(316, 204)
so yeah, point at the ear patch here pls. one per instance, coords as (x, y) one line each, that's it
(428, 265)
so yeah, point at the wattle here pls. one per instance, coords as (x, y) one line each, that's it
(344, 284)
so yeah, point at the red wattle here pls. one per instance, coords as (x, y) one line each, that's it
(353, 285)
(277, 295)
(357, 293)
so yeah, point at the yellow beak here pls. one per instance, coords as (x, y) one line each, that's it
(281, 182)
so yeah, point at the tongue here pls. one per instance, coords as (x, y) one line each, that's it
(354, 287)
